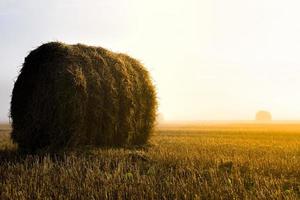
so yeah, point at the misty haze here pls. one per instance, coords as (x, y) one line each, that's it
(139, 99)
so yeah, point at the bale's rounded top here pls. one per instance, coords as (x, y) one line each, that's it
(263, 116)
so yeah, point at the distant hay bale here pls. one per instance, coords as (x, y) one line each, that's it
(159, 119)
(263, 116)
(70, 95)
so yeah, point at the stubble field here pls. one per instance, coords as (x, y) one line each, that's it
(195, 161)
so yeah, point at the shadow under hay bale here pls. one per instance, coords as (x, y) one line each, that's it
(70, 95)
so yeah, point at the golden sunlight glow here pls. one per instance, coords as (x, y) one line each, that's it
(210, 60)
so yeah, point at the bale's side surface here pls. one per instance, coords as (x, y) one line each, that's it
(69, 95)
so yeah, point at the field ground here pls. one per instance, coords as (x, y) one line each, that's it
(208, 161)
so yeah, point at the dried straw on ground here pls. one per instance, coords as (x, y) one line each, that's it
(70, 95)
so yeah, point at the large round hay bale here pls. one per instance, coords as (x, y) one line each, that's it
(263, 116)
(69, 95)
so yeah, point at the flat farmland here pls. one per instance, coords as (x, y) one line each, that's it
(182, 161)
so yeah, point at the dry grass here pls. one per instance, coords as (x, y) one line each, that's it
(183, 162)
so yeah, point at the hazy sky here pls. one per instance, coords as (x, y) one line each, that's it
(210, 59)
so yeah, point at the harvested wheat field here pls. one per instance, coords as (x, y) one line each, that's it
(196, 161)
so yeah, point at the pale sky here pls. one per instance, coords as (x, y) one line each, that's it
(210, 59)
